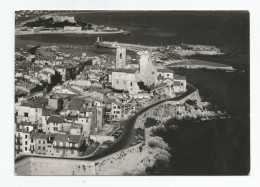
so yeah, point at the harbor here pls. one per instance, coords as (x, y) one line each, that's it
(89, 86)
(175, 57)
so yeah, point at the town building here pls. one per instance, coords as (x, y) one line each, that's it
(127, 78)
(54, 124)
(179, 83)
(22, 137)
(117, 111)
(66, 145)
(29, 112)
(39, 143)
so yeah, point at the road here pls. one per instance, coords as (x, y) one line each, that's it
(126, 137)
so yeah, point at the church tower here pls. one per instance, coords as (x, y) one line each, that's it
(147, 70)
(120, 57)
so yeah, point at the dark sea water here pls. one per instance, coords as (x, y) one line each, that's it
(216, 147)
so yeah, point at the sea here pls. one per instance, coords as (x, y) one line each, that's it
(214, 147)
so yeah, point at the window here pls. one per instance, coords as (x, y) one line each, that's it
(25, 148)
(43, 148)
(120, 55)
(117, 82)
(131, 84)
(31, 140)
(39, 141)
(167, 75)
(43, 142)
(25, 142)
(26, 136)
(181, 84)
(27, 129)
(26, 114)
(55, 128)
(39, 147)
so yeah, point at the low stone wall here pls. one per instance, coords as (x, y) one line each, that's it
(54, 166)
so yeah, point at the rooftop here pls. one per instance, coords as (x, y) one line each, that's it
(132, 70)
(67, 138)
(179, 77)
(47, 112)
(37, 135)
(55, 119)
(75, 104)
(32, 105)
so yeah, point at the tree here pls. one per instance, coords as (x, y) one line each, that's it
(142, 86)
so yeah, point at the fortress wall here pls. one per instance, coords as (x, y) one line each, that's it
(52, 166)
(115, 164)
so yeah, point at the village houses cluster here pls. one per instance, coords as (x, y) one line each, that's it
(69, 106)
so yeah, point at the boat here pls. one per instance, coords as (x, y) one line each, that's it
(132, 47)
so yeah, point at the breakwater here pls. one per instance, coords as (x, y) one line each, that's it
(200, 64)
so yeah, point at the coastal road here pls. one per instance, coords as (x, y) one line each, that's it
(126, 137)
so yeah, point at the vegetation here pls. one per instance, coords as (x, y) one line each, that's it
(142, 86)
(157, 142)
(49, 23)
(150, 122)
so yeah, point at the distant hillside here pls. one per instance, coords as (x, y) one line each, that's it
(57, 21)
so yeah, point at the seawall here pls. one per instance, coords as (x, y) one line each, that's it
(117, 163)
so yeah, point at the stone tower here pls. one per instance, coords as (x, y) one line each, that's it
(97, 118)
(147, 70)
(120, 57)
